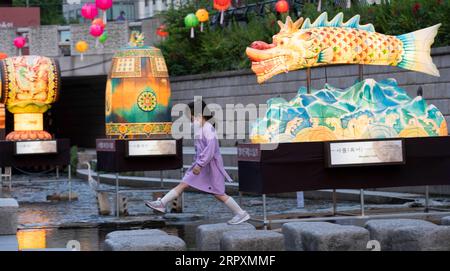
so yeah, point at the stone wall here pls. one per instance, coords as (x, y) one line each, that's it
(44, 40)
(241, 86)
(118, 35)
(6, 41)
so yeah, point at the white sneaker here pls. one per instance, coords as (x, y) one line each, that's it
(239, 218)
(156, 205)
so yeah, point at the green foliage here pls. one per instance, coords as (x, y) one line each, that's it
(51, 10)
(223, 48)
(74, 159)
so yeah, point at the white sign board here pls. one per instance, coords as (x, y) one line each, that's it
(36, 147)
(366, 153)
(151, 147)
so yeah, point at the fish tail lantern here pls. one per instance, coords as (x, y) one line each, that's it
(89, 11)
(203, 16)
(104, 5)
(138, 97)
(335, 42)
(222, 5)
(30, 85)
(191, 21)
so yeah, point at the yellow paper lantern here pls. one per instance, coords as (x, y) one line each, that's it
(203, 16)
(81, 47)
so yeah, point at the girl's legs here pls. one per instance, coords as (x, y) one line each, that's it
(239, 214)
(160, 205)
(174, 193)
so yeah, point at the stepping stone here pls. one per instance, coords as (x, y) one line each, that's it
(8, 216)
(183, 217)
(446, 220)
(9, 243)
(208, 236)
(324, 236)
(245, 240)
(143, 240)
(411, 238)
(383, 230)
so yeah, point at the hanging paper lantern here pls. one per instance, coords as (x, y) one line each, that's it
(222, 5)
(161, 31)
(203, 16)
(89, 11)
(282, 6)
(191, 21)
(95, 30)
(99, 22)
(102, 39)
(81, 47)
(104, 5)
(3, 55)
(20, 42)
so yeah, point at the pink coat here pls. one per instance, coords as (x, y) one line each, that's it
(207, 155)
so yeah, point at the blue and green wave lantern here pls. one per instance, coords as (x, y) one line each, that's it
(368, 109)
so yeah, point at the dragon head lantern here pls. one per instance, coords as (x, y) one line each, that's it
(29, 85)
(302, 44)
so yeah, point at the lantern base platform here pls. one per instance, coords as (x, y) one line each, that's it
(302, 166)
(113, 155)
(28, 135)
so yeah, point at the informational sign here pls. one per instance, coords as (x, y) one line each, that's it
(105, 145)
(151, 147)
(360, 153)
(249, 152)
(36, 147)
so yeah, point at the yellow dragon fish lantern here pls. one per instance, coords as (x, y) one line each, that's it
(302, 44)
(29, 85)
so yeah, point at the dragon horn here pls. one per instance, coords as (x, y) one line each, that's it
(298, 23)
(281, 24)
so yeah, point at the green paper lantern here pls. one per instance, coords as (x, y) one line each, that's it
(191, 21)
(102, 39)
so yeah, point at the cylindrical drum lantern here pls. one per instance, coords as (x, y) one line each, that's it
(30, 84)
(138, 98)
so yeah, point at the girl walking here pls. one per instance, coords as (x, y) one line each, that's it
(207, 172)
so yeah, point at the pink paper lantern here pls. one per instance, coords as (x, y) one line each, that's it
(89, 11)
(104, 4)
(96, 30)
(20, 42)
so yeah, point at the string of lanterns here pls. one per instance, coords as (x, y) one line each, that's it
(202, 15)
(89, 11)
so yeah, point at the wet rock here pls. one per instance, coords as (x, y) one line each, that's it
(446, 220)
(135, 233)
(429, 238)
(245, 240)
(183, 216)
(143, 240)
(208, 236)
(8, 216)
(384, 230)
(324, 236)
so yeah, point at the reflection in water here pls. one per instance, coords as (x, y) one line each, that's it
(91, 239)
(31, 239)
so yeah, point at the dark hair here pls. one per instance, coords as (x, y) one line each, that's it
(206, 113)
